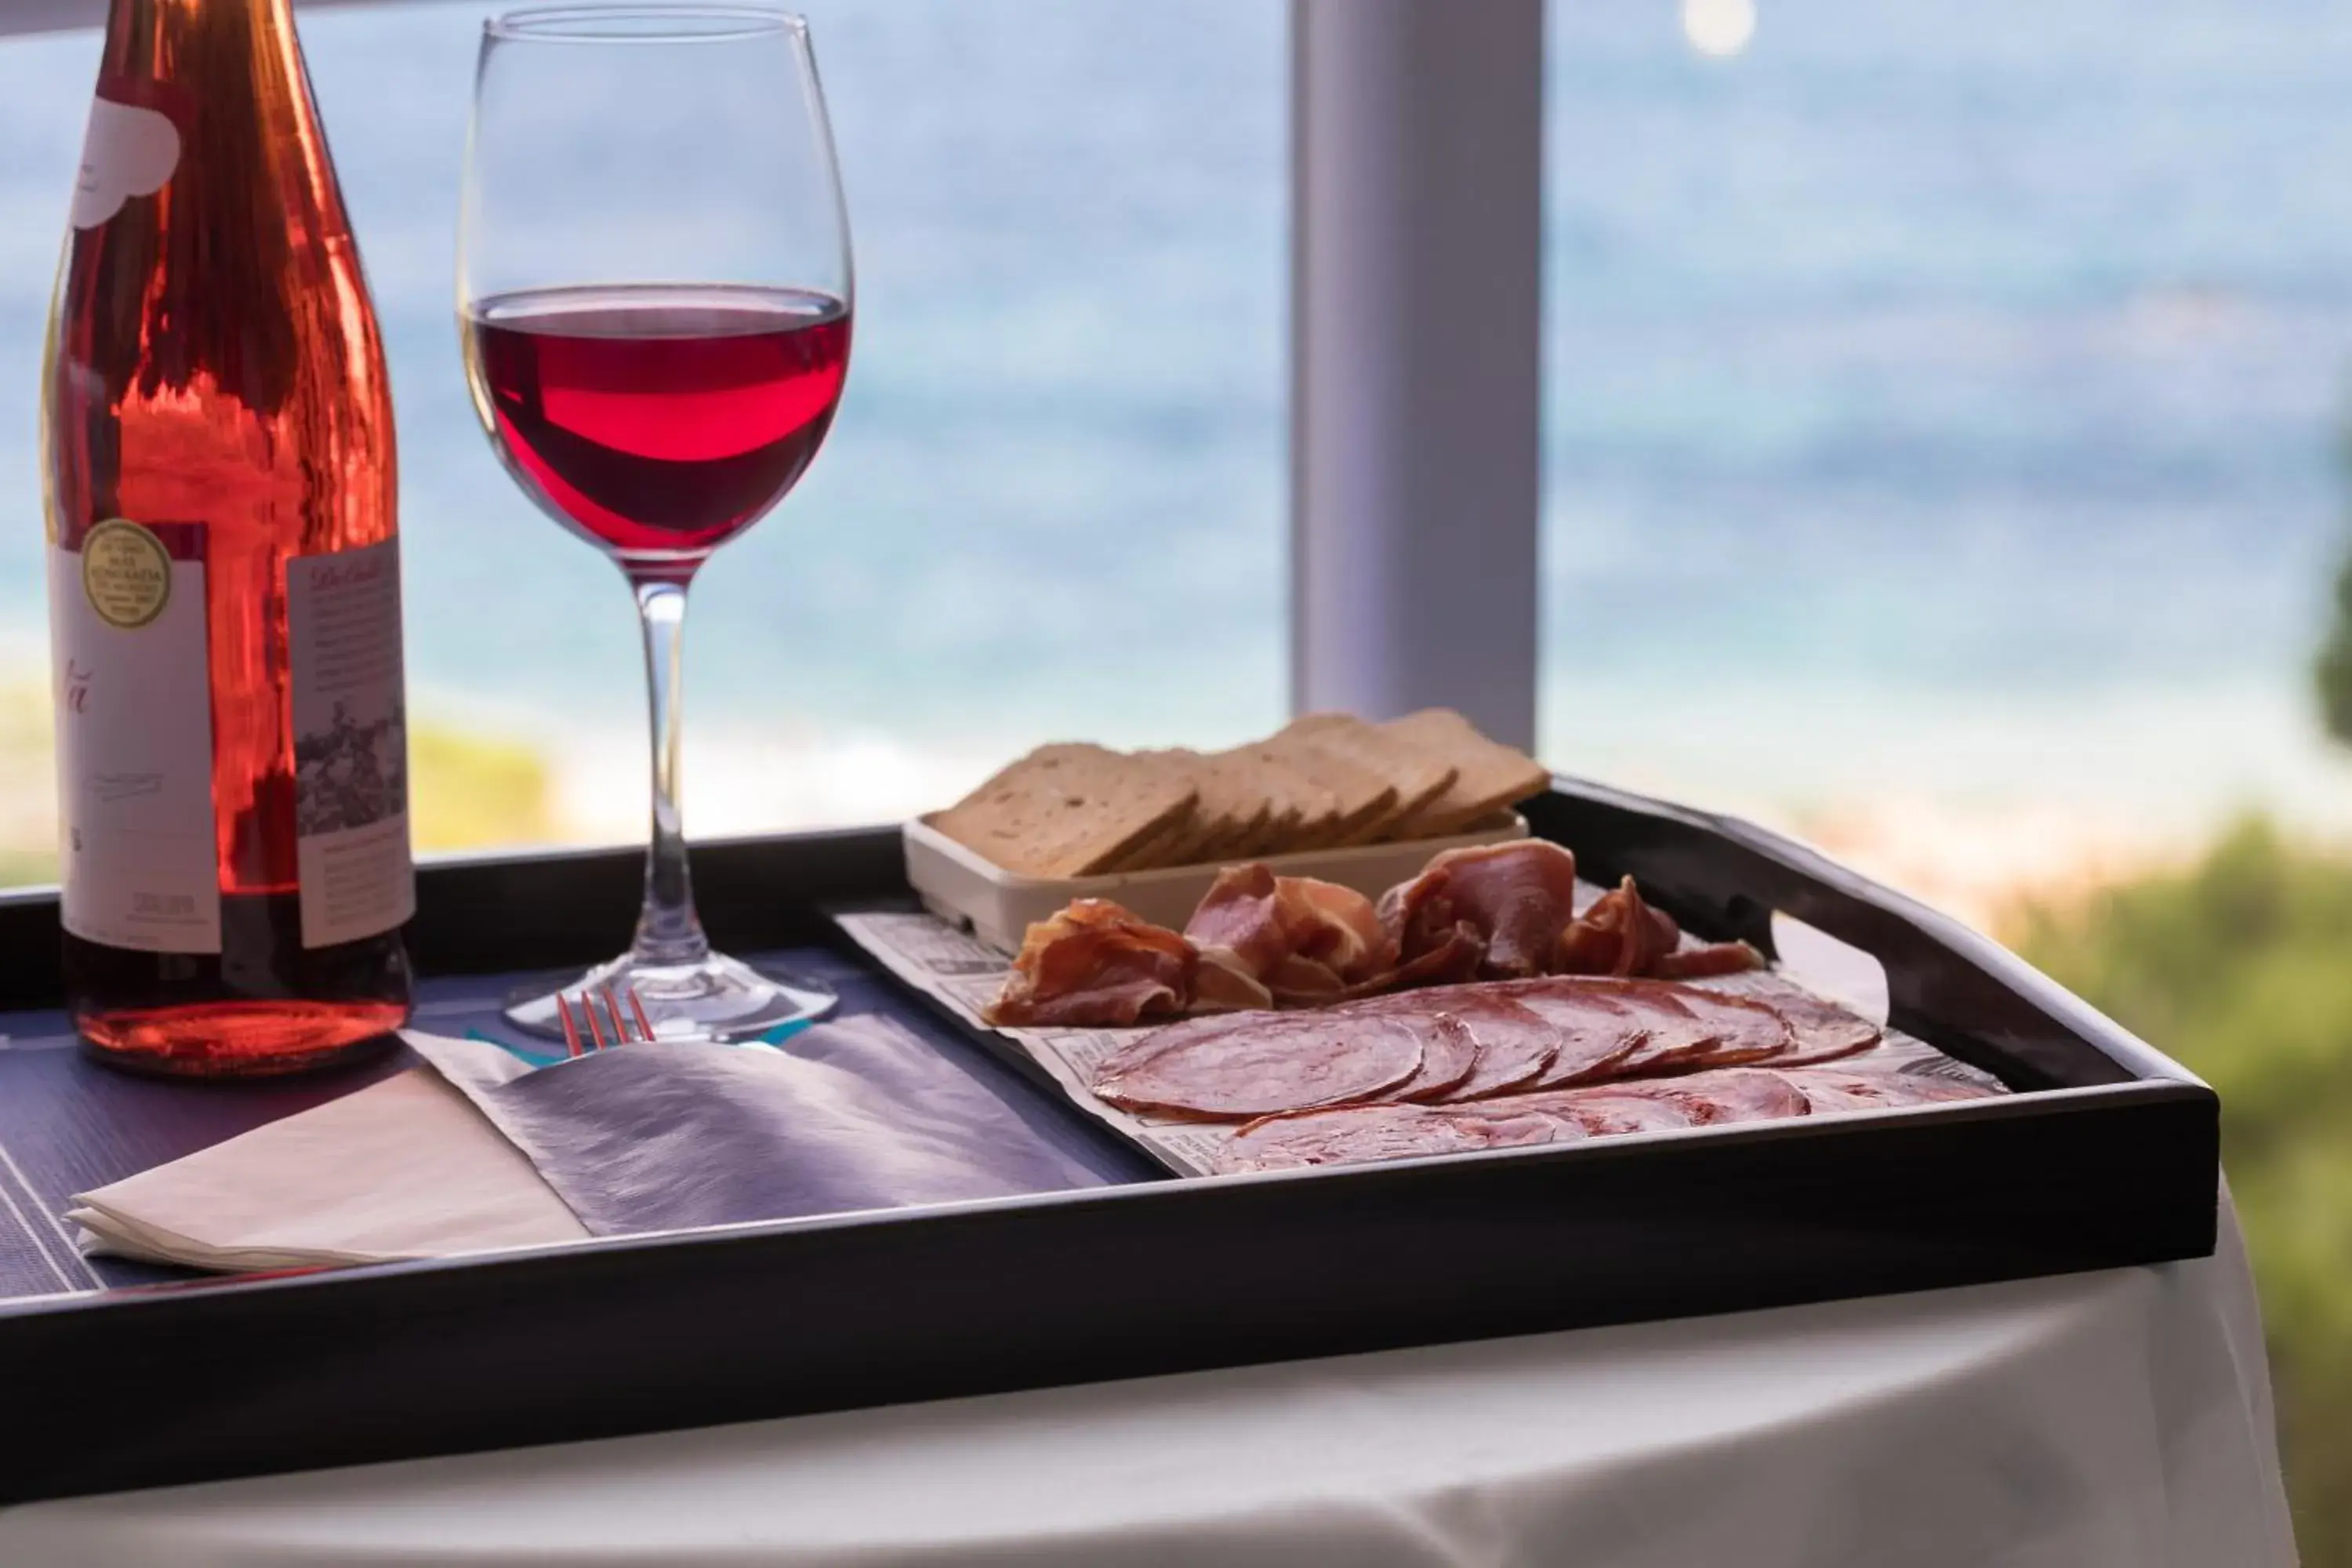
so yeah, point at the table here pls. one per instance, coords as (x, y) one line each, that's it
(2111, 1420)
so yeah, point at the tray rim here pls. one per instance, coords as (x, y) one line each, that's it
(2134, 1155)
(2053, 1102)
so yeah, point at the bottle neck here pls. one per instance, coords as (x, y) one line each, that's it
(207, 42)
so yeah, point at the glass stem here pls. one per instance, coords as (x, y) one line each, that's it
(668, 933)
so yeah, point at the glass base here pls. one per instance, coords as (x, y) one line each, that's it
(721, 998)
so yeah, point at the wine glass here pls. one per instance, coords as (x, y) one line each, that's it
(654, 294)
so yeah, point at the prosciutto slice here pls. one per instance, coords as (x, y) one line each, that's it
(1295, 938)
(1517, 896)
(1621, 934)
(1095, 962)
(1247, 1065)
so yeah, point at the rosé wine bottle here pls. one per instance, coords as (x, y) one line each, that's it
(224, 569)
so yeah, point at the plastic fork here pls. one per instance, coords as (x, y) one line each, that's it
(600, 1016)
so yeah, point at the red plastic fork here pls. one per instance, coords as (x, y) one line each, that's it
(620, 1021)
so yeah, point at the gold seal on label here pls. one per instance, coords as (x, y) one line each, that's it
(126, 574)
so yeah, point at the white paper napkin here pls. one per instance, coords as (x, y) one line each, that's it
(404, 1168)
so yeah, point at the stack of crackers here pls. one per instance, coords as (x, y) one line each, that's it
(1319, 783)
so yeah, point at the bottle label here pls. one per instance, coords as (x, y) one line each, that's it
(135, 739)
(128, 150)
(351, 742)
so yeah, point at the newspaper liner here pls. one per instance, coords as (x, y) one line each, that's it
(964, 974)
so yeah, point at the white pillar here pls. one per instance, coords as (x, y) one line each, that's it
(1417, 203)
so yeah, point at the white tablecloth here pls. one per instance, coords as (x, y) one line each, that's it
(2116, 1420)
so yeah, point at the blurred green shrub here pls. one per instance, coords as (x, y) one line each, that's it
(2240, 966)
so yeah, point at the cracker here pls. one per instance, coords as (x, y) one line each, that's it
(1067, 810)
(1417, 775)
(1489, 775)
(1171, 845)
(1363, 795)
(1232, 805)
(1296, 806)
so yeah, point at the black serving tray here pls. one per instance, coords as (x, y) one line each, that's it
(2115, 1162)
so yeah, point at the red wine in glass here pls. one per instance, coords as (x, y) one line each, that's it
(660, 419)
(656, 419)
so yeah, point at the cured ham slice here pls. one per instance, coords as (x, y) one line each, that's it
(1095, 962)
(1456, 956)
(1518, 897)
(1251, 1064)
(1621, 934)
(1707, 962)
(1296, 938)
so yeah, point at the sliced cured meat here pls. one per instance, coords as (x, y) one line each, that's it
(1824, 1031)
(1514, 1043)
(1094, 963)
(1738, 1094)
(1595, 1028)
(1832, 1091)
(1698, 1100)
(1219, 987)
(1518, 897)
(1299, 937)
(1339, 928)
(1622, 933)
(1706, 962)
(1223, 1071)
(1238, 922)
(1608, 1111)
(1365, 1132)
(1618, 935)
(1455, 957)
(1713, 1030)
(1449, 1054)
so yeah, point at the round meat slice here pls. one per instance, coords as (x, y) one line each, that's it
(1283, 1062)
(1358, 1134)
(1449, 1055)
(1691, 1028)
(1738, 1095)
(1593, 1027)
(1824, 1031)
(1832, 1092)
(1627, 1108)
(1514, 1046)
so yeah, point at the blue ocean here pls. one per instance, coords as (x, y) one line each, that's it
(1942, 416)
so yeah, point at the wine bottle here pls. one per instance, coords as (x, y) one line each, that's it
(224, 569)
